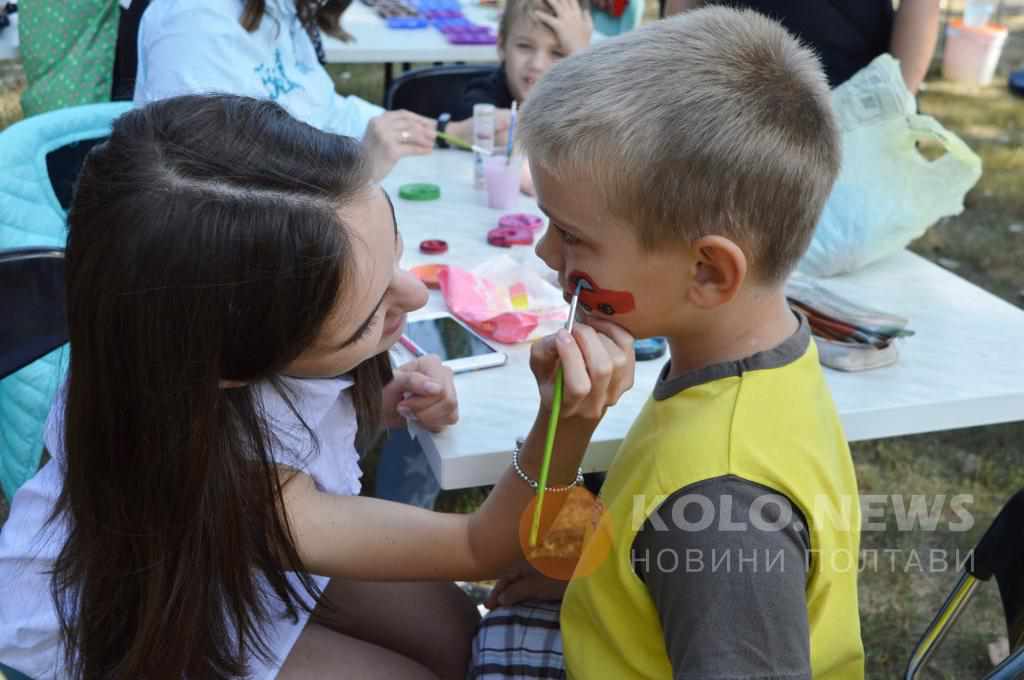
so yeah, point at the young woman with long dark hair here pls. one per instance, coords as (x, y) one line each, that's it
(233, 287)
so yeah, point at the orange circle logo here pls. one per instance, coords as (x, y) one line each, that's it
(575, 535)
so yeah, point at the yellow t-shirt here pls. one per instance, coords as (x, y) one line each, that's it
(768, 420)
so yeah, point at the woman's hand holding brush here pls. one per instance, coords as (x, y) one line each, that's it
(597, 365)
(600, 387)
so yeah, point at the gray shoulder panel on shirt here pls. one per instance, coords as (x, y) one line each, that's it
(725, 562)
(791, 349)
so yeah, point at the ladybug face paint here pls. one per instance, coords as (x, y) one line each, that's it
(607, 302)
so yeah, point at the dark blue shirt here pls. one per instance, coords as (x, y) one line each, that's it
(846, 34)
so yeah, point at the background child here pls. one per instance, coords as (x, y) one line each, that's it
(533, 35)
(233, 288)
(683, 167)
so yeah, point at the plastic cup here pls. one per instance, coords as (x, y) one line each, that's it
(502, 181)
(972, 52)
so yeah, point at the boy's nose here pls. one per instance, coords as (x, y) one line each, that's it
(548, 251)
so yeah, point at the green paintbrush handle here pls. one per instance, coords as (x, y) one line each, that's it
(455, 141)
(549, 445)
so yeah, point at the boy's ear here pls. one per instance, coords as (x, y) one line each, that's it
(721, 268)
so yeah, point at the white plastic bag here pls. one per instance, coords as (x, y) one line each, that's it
(504, 299)
(887, 193)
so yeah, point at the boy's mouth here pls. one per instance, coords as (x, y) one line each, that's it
(575, 277)
(593, 298)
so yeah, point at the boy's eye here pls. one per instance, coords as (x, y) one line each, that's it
(566, 237)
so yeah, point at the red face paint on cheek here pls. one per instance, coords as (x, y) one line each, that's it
(607, 302)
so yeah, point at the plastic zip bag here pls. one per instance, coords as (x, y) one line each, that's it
(887, 193)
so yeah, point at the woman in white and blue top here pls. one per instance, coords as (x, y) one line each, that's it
(269, 49)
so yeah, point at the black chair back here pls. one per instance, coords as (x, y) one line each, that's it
(434, 90)
(1000, 553)
(63, 165)
(126, 54)
(34, 322)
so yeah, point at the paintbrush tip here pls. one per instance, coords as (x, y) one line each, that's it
(582, 284)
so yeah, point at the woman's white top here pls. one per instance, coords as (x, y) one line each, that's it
(29, 632)
(199, 46)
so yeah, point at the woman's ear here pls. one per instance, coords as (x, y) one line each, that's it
(721, 268)
(231, 384)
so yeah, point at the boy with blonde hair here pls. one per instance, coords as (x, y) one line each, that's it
(533, 35)
(684, 167)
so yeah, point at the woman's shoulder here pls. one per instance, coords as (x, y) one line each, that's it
(313, 424)
(197, 13)
(192, 46)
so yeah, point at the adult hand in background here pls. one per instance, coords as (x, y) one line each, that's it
(393, 135)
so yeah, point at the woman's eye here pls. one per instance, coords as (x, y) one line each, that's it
(366, 330)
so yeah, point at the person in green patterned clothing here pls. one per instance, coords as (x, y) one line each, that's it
(67, 51)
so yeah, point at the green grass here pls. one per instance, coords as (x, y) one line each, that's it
(361, 80)
(895, 604)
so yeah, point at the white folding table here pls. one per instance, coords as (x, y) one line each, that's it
(964, 367)
(375, 43)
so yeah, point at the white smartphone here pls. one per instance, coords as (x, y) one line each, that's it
(440, 333)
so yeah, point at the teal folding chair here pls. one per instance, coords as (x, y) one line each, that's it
(39, 162)
(1000, 553)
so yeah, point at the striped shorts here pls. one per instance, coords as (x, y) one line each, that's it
(521, 641)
